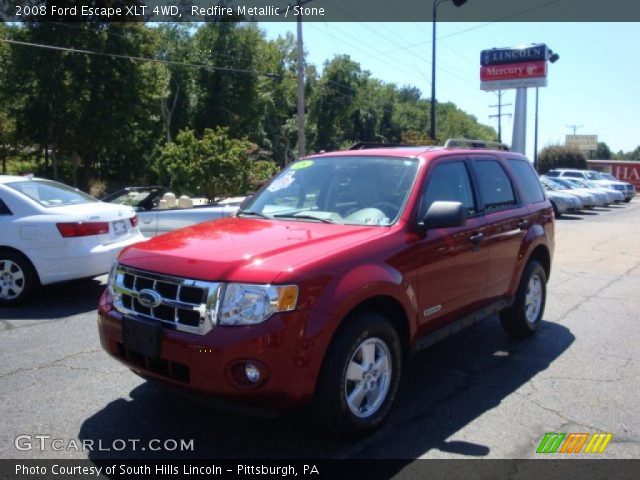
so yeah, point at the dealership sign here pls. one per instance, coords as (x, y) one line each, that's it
(582, 142)
(504, 68)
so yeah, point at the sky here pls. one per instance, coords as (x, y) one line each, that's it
(595, 84)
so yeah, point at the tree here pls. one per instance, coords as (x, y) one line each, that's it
(214, 166)
(559, 156)
(603, 152)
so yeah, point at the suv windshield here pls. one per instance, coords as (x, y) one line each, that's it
(359, 190)
(51, 194)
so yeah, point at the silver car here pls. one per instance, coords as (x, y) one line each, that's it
(159, 211)
(588, 200)
(562, 202)
(614, 196)
(602, 198)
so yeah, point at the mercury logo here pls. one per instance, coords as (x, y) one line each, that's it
(149, 298)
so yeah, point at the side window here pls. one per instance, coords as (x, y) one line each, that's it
(4, 210)
(494, 185)
(449, 182)
(528, 179)
(573, 174)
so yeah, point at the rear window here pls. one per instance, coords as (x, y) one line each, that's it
(51, 194)
(494, 185)
(528, 179)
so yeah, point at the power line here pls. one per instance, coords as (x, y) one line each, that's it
(499, 115)
(142, 59)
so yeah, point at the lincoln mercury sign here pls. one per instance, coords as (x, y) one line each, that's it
(504, 68)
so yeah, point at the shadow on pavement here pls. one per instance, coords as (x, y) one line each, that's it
(445, 388)
(588, 212)
(58, 301)
(565, 216)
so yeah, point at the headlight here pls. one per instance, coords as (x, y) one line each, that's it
(250, 304)
(111, 280)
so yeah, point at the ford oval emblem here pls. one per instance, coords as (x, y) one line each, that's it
(149, 298)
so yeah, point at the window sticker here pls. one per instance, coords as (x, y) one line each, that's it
(282, 182)
(302, 164)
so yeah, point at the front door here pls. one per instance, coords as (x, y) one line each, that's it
(452, 265)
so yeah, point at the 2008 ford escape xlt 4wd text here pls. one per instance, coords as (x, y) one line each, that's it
(319, 289)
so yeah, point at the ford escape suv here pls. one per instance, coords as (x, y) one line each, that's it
(321, 286)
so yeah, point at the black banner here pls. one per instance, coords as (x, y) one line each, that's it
(317, 10)
(566, 469)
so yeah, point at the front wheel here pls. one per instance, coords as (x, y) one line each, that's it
(523, 318)
(627, 200)
(359, 378)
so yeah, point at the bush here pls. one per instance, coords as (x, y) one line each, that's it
(214, 166)
(558, 156)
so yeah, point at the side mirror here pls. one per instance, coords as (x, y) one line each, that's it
(443, 215)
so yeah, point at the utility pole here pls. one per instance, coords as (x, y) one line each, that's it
(574, 128)
(500, 114)
(300, 70)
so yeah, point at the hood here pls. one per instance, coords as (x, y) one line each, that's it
(244, 249)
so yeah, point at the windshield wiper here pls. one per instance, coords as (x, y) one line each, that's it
(304, 217)
(251, 213)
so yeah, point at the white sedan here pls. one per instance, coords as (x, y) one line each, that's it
(50, 232)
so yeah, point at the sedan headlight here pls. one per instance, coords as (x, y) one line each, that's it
(250, 304)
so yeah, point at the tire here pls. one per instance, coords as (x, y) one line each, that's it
(18, 279)
(627, 200)
(523, 317)
(556, 212)
(331, 409)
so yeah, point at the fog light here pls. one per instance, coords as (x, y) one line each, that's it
(252, 373)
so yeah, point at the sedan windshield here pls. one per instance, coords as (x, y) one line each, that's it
(51, 194)
(355, 190)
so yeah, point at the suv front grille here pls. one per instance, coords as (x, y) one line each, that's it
(179, 303)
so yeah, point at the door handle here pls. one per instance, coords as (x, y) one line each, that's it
(476, 237)
(522, 224)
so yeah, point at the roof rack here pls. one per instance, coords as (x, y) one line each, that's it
(367, 145)
(465, 142)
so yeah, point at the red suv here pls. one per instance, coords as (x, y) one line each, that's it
(321, 286)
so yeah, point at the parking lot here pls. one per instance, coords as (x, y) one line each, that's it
(478, 394)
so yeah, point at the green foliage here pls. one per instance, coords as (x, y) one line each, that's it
(559, 156)
(603, 152)
(84, 117)
(214, 166)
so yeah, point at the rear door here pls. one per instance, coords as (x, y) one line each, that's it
(452, 262)
(507, 219)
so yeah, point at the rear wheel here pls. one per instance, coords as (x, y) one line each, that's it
(627, 200)
(17, 278)
(523, 318)
(359, 378)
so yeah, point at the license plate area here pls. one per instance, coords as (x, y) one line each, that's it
(119, 228)
(142, 336)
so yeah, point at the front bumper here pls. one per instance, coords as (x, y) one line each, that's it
(288, 357)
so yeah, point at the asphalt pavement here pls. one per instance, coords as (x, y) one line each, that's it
(476, 395)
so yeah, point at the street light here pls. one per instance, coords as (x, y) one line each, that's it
(436, 3)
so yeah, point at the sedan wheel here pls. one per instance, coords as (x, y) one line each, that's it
(17, 278)
(11, 280)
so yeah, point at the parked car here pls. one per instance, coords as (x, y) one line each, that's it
(50, 232)
(600, 199)
(613, 196)
(627, 189)
(562, 202)
(160, 211)
(630, 188)
(316, 292)
(587, 199)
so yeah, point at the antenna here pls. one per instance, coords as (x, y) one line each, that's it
(574, 128)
